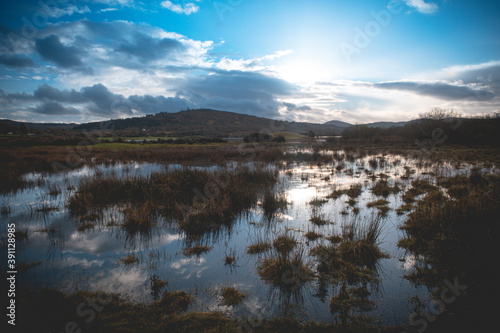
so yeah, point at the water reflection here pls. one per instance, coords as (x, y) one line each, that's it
(83, 251)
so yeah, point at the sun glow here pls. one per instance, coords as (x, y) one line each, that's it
(305, 71)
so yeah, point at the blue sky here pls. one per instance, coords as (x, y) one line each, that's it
(318, 60)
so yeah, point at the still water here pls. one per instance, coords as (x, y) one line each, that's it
(69, 259)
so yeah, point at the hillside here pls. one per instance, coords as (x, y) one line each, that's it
(10, 125)
(341, 124)
(203, 122)
(209, 123)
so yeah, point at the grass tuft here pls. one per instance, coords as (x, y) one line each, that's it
(232, 296)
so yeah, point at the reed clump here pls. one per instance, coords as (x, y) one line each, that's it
(383, 189)
(259, 247)
(200, 200)
(196, 250)
(272, 203)
(285, 264)
(232, 296)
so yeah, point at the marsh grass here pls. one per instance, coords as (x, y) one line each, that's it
(405, 208)
(259, 246)
(138, 219)
(129, 259)
(319, 219)
(358, 244)
(272, 203)
(286, 271)
(196, 250)
(335, 194)
(381, 206)
(354, 191)
(21, 235)
(418, 187)
(351, 202)
(45, 208)
(232, 296)
(318, 202)
(378, 203)
(459, 237)
(312, 236)
(230, 258)
(5, 211)
(350, 264)
(350, 300)
(86, 226)
(156, 286)
(54, 190)
(383, 189)
(201, 201)
(284, 244)
(285, 264)
(335, 239)
(168, 314)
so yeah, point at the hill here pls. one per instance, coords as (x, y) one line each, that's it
(10, 125)
(388, 124)
(338, 123)
(209, 123)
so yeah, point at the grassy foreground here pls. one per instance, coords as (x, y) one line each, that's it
(53, 311)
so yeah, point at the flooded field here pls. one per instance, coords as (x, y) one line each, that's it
(316, 241)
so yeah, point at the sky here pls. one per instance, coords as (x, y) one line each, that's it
(315, 61)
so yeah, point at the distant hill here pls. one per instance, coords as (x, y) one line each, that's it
(379, 124)
(197, 122)
(210, 123)
(337, 123)
(9, 125)
(387, 124)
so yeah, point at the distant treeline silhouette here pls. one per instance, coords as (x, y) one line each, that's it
(434, 128)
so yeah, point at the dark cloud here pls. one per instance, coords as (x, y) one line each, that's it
(439, 90)
(55, 108)
(237, 91)
(16, 61)
(147, 48)
(293, 107)
(51, 49)
(102, 98)
(154, 104)
(268, 108)
(47, 92)
(95, 100)
(486, 74)
(14, 98)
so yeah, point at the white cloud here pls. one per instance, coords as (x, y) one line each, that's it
(186, 9)
(110, 9)
(423, 7)
(253, 64)
(56, 11)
